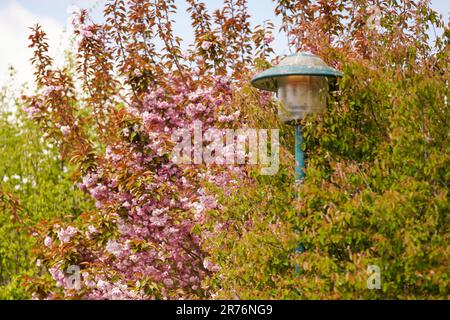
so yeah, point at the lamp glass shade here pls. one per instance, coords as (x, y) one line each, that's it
(301, 95)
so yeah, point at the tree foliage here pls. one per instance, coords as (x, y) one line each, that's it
(376, 191)
(35, 187)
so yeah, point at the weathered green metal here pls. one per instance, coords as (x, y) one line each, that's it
(299, 156)
(302, 63)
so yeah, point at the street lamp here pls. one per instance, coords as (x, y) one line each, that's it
(301, 82)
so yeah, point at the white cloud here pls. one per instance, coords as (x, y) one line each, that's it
(15, 21)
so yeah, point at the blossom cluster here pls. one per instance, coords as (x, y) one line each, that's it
(153, 219)
(80, 25)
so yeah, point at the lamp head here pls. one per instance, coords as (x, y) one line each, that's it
(301, 81)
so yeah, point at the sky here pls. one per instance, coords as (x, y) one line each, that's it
(16, 16)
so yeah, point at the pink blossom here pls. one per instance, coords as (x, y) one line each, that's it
(48, 241)
(101, 284)
(31, 111)
(168, 282)
(99, 192)
(116, 248)
(86, 31)
(185, 55)
(64, 235)
(58, 276)
(50, 89)
(198, 208)
(210, 266)
(158, 212)
(158, 221)
(65, 130)
(76, 14)
(206, 45)
(268, 38)
(92, 229)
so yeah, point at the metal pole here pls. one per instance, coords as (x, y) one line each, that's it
(299, 176)
(299, 156)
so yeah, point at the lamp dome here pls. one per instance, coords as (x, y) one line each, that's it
(301, 83)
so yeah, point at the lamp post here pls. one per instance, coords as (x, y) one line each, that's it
(301, 82)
